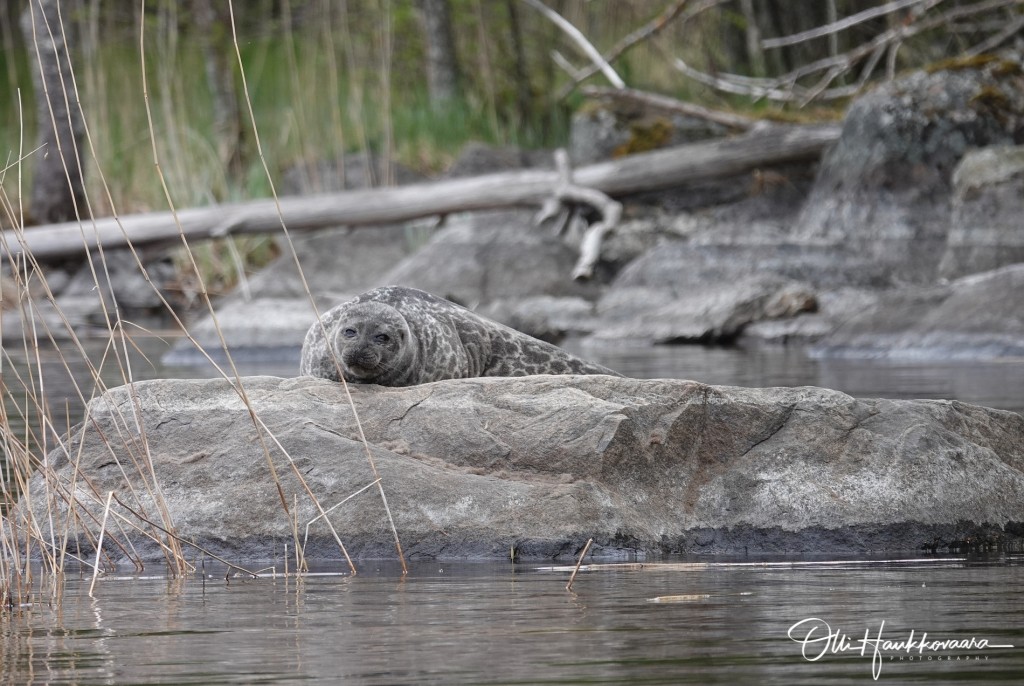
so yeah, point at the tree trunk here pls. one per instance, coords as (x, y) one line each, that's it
(524, 92)
(214, 37)
(442, 64)
(58, 188)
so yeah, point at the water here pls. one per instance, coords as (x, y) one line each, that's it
(998, 384)
(992, 383)
(721, 621)
(503, 624)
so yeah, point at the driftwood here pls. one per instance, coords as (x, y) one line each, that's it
(568, 193)
(666, 168)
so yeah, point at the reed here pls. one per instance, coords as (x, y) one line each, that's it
(35, 554)
(317, 87)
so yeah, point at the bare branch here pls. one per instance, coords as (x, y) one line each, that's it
(663, 102)
(786, 88)
(577, 36)
(567, 66)
(997, 39)
(842, 24)
(734, 83)
(648, 30)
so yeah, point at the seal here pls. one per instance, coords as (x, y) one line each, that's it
(397, 336)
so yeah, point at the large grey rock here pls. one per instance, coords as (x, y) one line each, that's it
(690, 292)
(116, 279)
(476, 467)
(807, 328)
(987, 227)
(489, 256)
(549, 318)
(709, 314)
(976, 317)
(885, 187)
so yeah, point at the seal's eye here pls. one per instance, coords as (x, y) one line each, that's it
(349, 333)
(381, 338)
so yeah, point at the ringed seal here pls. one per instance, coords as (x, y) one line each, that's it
(397, 336)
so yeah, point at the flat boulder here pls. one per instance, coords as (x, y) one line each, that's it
(688, 292)
(479, 258)
(476, 468)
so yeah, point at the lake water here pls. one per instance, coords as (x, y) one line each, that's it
(706, 621)
(997, 384)
(718, 623)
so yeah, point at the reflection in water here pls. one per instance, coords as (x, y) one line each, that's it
(498, 624)
(466, 623)
(997, 384)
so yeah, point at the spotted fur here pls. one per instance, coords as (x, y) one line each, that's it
(397, 336)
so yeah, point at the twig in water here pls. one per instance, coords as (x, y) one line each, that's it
(579, 562)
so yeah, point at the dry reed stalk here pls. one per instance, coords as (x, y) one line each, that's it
(113, 329)
(333, 92)
(99, 545)
(300, 551)
(579, 562)
(136, 442)
(331, 509)
(305, 286)
(126, 374)
(205, 297)
(312, 496)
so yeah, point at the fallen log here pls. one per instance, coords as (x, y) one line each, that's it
(656, 170)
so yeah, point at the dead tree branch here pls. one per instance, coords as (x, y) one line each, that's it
(662, 102)
(843, 24)
(923, 18)
(645, 32)
(577, 37)
(568, 193)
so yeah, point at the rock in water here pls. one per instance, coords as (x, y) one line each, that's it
(396, 336)
(473, 467)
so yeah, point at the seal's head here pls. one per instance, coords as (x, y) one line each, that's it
(374, 344)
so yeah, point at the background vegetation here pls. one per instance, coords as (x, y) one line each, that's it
(328, 77)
